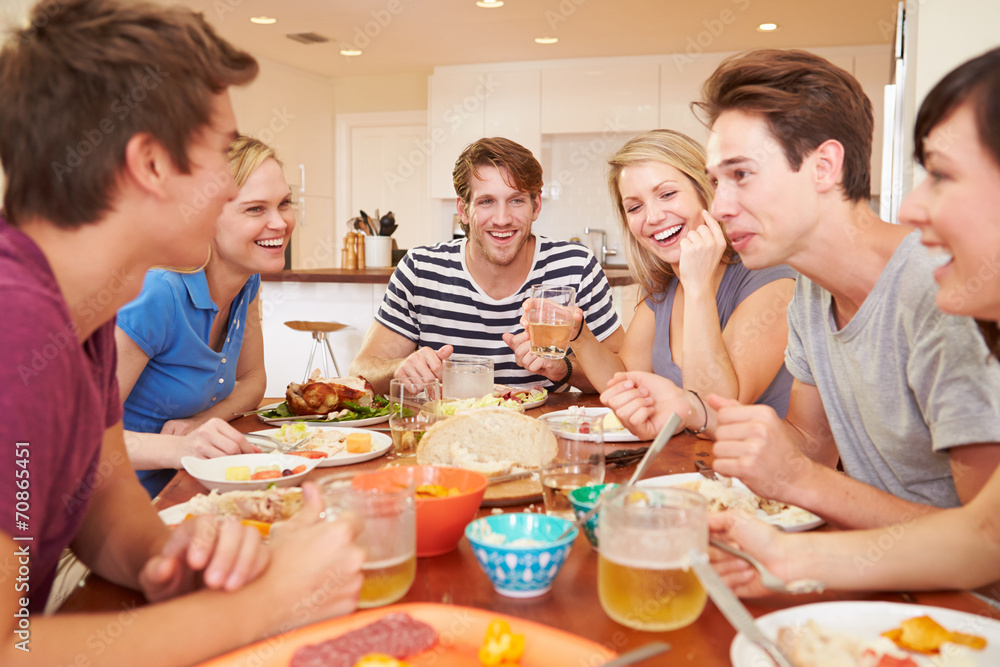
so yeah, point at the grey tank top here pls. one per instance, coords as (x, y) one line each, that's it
(738, 282)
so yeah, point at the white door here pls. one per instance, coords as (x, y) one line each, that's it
(388, 171)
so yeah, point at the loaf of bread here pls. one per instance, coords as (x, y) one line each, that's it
(492, 441)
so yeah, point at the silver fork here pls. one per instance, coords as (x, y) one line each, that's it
(283, 447)
(768, 579)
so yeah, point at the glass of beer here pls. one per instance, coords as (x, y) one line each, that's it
(389, 536)
(644, 579)
(467, 376)
(579, 460)
(550, 320)
(413, 407)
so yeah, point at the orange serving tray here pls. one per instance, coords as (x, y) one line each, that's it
(460, 634)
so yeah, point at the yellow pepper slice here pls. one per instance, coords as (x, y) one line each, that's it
(501, 647)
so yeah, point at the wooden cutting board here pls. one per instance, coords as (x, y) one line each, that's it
(516, 492)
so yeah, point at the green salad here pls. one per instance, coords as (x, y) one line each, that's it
(378, 408)
(511, 399)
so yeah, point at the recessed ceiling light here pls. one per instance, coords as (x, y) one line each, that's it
(767, 27)
(263, 20)
(350, 52)
(489, 4)
(546, 40)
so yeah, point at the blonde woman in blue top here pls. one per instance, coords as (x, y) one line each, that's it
(190, 350)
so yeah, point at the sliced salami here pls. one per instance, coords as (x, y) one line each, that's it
(399, 635)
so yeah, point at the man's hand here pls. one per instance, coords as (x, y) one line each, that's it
(553, 369)
(753, 444)
(752, 536)
(214, 552)
(322, 558)
(425, 363)
(644, 401)
(213, 438)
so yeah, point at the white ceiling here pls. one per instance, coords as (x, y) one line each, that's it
(400, 36)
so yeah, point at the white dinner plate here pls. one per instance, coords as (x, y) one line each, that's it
(370, 421)
(618, 435)
(212, 472)
(381, 443)
(787, 524)
(174, 514)
(868, 620)
(530, 404)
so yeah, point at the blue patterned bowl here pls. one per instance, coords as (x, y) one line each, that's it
(582, 500)
(520, 571)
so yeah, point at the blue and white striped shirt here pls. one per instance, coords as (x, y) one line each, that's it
(433, 301)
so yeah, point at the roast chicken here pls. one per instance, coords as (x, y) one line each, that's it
(321, 396)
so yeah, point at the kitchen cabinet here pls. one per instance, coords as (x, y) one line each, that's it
(602, 98)
(470, 104)
(680, 84)
(292, 112)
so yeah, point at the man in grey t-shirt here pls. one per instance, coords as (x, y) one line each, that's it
(884, 382)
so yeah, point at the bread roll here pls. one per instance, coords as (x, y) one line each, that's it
(490, 441)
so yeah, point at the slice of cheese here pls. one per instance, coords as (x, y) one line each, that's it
(358, 443)
(612, 423)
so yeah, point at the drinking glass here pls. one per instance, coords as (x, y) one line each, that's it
(467, 376)
(644, 579)
(579, 460)
(550, 320)
(413, 408)
(389, 536)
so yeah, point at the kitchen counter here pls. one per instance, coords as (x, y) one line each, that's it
(369, 276)
(618, 276)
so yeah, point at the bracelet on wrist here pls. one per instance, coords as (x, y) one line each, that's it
(579, 331)
(705, 410)
(565, 380)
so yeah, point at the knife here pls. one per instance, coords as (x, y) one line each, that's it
(637, 655)
(733, 609)
(503, 479)
(662, 438)
(705, 470)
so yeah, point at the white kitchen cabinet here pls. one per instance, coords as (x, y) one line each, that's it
(680, 84)
(514, 108)
(601, 98)
(456, 118)
(292, 112)
(468, 105)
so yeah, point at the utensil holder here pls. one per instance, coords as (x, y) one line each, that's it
(378, 252)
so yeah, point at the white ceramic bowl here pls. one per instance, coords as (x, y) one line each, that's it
(212, 472)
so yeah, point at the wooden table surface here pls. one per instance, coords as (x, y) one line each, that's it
(572, 605)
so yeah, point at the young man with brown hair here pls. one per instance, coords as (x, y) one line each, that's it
(466, 295)
(884, 381)
(114, 133)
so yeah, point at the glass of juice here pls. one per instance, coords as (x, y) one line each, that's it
(550, 319)
(579, 460)
(413, 407)
(644, 579)
(389, 536)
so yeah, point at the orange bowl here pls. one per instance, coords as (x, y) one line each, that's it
(441, 521)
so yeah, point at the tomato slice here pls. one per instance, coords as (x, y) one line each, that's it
(308, 454)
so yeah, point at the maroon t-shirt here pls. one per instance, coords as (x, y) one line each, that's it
(57, 397)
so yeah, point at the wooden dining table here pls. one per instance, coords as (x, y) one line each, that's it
(572, 605)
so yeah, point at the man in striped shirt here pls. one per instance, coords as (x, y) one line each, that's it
(465, 296)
